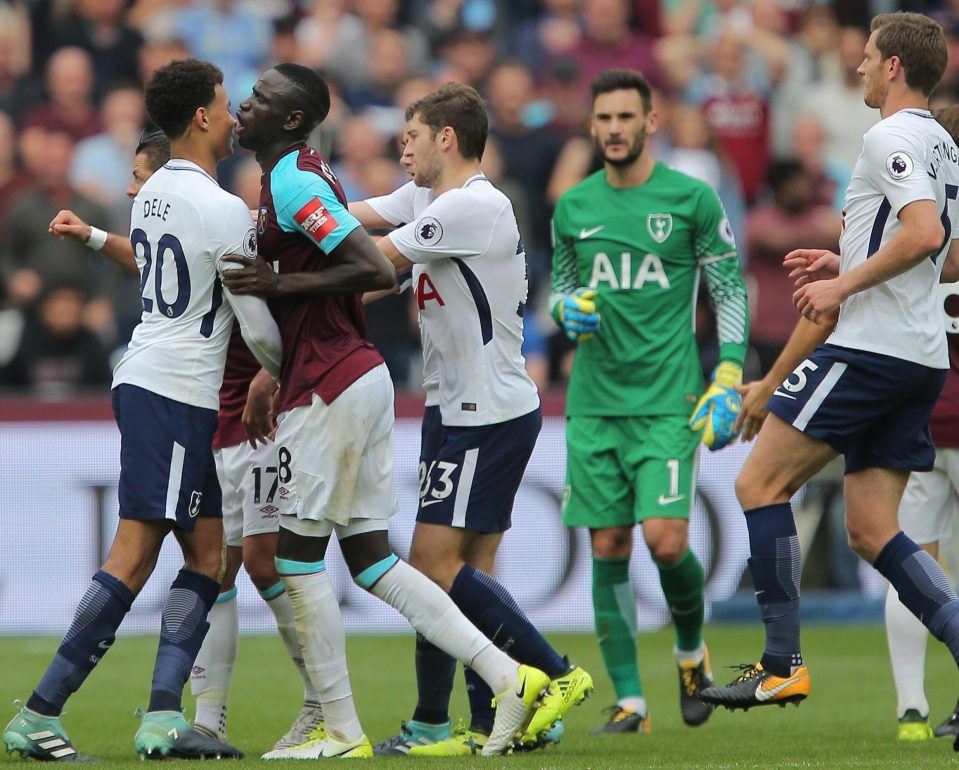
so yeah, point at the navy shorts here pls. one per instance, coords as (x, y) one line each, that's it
(871, 408)
(167, 470)
(469, 475)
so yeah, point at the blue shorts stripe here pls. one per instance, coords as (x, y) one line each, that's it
(467, 471)
(177, 457)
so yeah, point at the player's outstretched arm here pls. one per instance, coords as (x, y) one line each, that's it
(368, 217)
(360, 267)
(805, 338)
(117, 248)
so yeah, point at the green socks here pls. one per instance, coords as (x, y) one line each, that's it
(614, 608)
(683, 586)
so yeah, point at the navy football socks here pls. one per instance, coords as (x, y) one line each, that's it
(434, 683)
(494, 612)
(92, 633)
(182, 629)
(775, 564)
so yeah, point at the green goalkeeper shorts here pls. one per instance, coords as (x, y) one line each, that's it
(622, 470)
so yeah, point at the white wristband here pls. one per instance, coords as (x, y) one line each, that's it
(97, 238)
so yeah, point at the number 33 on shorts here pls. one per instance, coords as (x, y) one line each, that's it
(436, 481)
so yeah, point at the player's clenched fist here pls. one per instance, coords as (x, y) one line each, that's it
(66, 224)
(719, 406)
(577, 314)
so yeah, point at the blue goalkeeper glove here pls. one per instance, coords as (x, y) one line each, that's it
(576, 313)
(719, 407)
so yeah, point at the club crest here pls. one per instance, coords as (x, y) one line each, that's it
(261, 221)
(659, 226)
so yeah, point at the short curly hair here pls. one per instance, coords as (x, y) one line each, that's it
(177, 90)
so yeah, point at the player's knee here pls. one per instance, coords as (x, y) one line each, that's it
(261, 570)
(865, 543)
(211, 564)
(667, 551)
(612, 543)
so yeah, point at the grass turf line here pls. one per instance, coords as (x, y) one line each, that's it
(848, 721)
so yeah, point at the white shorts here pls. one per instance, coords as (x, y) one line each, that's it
(249, 479)
(341, 457)
(930, 503)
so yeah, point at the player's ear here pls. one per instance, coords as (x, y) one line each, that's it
(652, 122)
(294, 120)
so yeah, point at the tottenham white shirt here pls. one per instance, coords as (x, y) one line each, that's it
(182, 223)
(470, 282)
(906, 157)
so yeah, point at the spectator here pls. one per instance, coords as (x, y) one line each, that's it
(347, 50)
(830, 176)
(70, 108)
(793, 220)
(468, 54)
(56, 355)
(101, 164)
(389, 69)
(812, 59)
(609, 41)
(231, 36)
(18, 89)
(550, 37)
(30, 259)
(358, 143)
(13, 180)
(100, 29)
(735, 99)
(837, 102)
(529, 152)
(156, 52)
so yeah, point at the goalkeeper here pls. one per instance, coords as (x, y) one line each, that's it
(629, 244)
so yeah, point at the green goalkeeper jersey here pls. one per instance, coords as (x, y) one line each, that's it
(642, 249)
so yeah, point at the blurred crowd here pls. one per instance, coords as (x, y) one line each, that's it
(760, 98)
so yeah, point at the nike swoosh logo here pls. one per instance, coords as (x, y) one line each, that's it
(522, 689)
(763, 695)
(584, 233)
(783, 395)
(662, 500)
(425, 503)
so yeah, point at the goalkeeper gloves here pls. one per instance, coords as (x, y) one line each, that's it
(576, 313)
(719, 407)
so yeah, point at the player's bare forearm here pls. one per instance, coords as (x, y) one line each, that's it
(368, 217)
(258, 414)
(399, 262)
(950, 267)
(920, 236)
(117, 248)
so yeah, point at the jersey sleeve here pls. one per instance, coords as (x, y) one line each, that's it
(397, 207)
(448, 227)
(259, 329)
(895, 164)
(715, 249)
(564, 275)
(305, 203)
(234, 232)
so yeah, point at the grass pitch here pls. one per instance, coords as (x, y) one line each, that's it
(848, 721)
